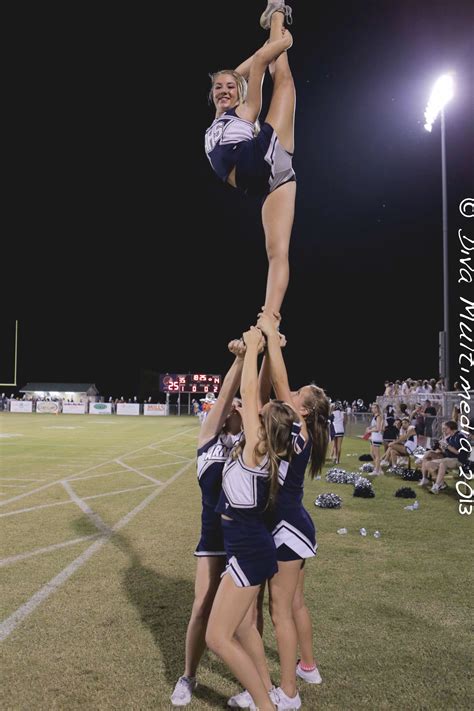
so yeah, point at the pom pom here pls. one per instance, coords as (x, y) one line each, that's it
(363, 488)
(328, 501)
(405, 493)
(340, 476)
(411, 475)
(366, 458)
(367, 468)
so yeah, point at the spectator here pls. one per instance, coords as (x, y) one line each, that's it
(392, 431)
(454, 456)
(429, 413)
(404, 446)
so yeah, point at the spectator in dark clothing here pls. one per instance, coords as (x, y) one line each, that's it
(391, 431)
(429, 413)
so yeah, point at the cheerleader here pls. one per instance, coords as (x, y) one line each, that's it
(337, 421)
(218, 434)
(249, 487)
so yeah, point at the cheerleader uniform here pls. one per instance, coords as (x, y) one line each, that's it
(261, 163)
(251, 555)
(211, 458)
(410, 444)
(376, 437)
(291, 525)
(337, 424)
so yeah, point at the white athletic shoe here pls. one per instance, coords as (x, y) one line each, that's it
(282, 701)
(275, 6)
(183, 691)
(311, 677)
(423, 481)
(241, 701)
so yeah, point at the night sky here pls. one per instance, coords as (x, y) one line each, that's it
(125, 256)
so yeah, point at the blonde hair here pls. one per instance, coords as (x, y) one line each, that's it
(274, 440)
(239, 80)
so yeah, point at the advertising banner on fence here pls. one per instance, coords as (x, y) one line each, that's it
(21, 406)
(74, 408)
(155, 410)
(128, 408)
(47, 407)
(100, 408)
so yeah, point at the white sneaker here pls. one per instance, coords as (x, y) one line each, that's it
(275, 6)
(183, 691)
(423, 481)
(282, 701)
(311, 677)
(241, 701)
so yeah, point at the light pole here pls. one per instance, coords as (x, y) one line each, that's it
(442, 92)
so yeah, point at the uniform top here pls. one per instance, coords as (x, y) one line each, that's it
(291, 474)
(337, 419)
(222, 141)
(211, 458)
(244, 494)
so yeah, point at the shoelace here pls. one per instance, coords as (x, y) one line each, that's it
(288, 14)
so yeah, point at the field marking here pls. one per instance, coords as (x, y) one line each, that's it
(94, 466)
(11, 622)
(96, 476)
(85, 498)
(48, 549)
(137, 471)
(8, 435)
(91, 515)
(13, 478)
(13, 486)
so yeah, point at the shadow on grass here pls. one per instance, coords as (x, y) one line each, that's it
(164, 604)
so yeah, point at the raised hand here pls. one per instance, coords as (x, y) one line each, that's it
(254, 337)
(237, 347)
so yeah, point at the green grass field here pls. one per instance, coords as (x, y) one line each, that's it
(99, 519)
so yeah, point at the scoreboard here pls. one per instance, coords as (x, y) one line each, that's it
(190, 383)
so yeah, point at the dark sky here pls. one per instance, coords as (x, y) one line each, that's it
(126, 254)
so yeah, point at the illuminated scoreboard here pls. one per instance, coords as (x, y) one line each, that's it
(190, 383)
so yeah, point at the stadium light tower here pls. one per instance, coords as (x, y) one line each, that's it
(442, 92)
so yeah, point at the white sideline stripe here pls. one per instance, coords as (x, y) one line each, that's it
(94, 466)
(91, 515)
(14, 486)
(10, 623)
(137, 471)
(14, 478)
(85, 498)
(48, 549)
(158, 450)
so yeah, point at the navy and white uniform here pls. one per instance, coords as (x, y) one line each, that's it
(211, 458)
(376, 437)
(251, 554)
(291, 525)
(261, 163)
(336, 424)
(410, 444)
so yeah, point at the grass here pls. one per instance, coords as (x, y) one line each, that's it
(391, 615)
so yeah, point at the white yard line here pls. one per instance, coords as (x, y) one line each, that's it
(14, 486)
(96, 476)
(10, 623)
(91, 515)
(14, 478)
(68, 502)
(137, 471)
(48, 549)
(58, 481)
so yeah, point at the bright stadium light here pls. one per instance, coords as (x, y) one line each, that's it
(442, 92)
